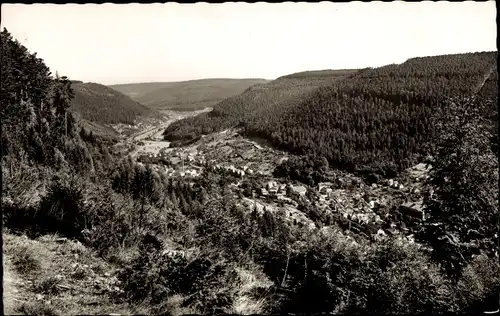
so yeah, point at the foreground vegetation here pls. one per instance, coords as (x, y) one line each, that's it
(189, 247)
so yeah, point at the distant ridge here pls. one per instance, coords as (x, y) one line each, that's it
(186, 95)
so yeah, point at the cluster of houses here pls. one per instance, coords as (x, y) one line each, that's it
(120, 127)
(151, 158)
(232, 169)
(191, 160)
(194, 157)
(329, 201)
(356, 208)
(273, 187)
(173, 165)
(280, 190)
(363, 210)
(394, 184)
(166, 158)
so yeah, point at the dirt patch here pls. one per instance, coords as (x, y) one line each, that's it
(12, 297)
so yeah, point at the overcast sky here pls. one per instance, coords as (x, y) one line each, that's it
(128, 43)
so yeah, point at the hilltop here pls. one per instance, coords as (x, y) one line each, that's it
(311, 74)
(103, 105)
(186, 95)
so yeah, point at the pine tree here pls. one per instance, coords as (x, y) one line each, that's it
(464, 208)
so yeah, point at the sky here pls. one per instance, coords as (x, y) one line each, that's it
(128, 43)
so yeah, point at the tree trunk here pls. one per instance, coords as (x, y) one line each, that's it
(66, 123)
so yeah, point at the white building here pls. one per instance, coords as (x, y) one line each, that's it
(301, 190)
(271, 185)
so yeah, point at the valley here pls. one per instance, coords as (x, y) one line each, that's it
(330, 191)
(147, 135)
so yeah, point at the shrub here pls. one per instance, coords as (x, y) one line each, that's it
(227, 228)
(38, 308)
(59, 160)
(464, 209)
(406, 281)
(62, 209)
(48, 286)
(112, 221)
(326, 272)
(20, 182)
(79, 274)
(154, 277)
(477, 289)
(24, 260)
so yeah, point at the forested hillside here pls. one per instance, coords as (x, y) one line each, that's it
(101, 104)
(380, 119)
(260, 102)
(377, 120)
(36, 125)
(186, 95)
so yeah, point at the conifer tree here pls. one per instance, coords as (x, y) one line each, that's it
(464, 207)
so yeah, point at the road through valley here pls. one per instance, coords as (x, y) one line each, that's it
(154, 134)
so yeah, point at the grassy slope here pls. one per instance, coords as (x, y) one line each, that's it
(101, 104)
(186, 95)
(55, 276)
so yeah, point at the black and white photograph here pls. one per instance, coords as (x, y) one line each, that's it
(250, 158)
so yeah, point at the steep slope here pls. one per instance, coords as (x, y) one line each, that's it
(101, 104)
(259, 102)
(376, 120)
(380, 119)
(52, 275)
(186, 95)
